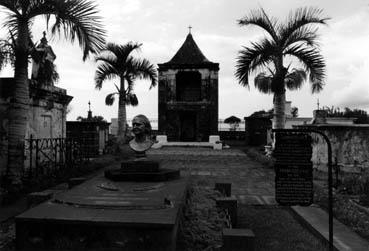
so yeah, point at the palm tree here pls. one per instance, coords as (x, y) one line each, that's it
(116, 61)
(78, 20)
(297, 38)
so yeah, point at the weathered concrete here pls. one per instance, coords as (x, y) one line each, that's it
(343, 238)
(238, 239)
(350, 145)
(132, 216)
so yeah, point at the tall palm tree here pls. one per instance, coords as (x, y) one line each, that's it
(78, 20)
(294, 39)
(116, 61)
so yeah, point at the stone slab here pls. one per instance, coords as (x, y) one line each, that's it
(160, 175)
(218, 146)
(238, 239)
(140, 166)
(75, 181)
(316, 219)
(161, 138)
(133, 215)
(39, 197)
(213, 139)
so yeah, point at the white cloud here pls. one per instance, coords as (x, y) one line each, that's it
(356, 93)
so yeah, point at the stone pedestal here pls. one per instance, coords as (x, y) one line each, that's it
(238, 239)
(141, 170)
(214, 139)
(161, 139)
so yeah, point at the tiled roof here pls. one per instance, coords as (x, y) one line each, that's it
(189, 54)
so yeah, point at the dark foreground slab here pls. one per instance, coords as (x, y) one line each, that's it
(101, 214)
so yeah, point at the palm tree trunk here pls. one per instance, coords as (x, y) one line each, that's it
(18, 110)
(122, 113)
(279, 100)
(279, 116)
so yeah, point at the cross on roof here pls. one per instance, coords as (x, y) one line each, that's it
(189, 29)
(89, 105)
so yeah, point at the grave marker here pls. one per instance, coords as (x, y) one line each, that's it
(294, 169)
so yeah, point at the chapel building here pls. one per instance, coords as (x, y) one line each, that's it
(188, 95)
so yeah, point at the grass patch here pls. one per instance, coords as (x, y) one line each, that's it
(345, 210)
(202, 223)
(276, 229)
(259, 156)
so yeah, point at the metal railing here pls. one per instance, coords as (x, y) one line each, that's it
(50, 155)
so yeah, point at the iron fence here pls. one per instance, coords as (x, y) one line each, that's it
(50, 155)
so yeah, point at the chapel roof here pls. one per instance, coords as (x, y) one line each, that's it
(188, 55)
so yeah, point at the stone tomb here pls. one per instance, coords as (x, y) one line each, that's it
(104, 214)
(141, 170)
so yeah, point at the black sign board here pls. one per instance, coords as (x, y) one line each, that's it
(294, 169)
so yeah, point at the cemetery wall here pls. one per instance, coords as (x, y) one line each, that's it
(350, 146)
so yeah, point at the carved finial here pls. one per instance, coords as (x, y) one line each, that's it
(189, 29)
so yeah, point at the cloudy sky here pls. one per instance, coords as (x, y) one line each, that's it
(161, 26)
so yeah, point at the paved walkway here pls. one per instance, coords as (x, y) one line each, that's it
(252, 184)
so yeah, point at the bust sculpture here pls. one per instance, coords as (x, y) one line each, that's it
(141, 128)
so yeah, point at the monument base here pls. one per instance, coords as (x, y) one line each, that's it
(141, 170)
(160, 175)
(132, 216)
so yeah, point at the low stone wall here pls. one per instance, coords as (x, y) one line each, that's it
(232, 135)
(350, 146)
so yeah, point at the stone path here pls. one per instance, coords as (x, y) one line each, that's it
(252, 184)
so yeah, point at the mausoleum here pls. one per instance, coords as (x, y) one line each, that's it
(188, 95)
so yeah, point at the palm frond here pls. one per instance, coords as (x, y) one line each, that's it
(109, 99)
(263, 83)
(252, 58)
(262, 20)
(11, 5)
(106, 57)
(131, 99)
(11, 24)
(299, 18)
(305, 35)
(313, 62)
(121, 52)
(295, 79)
(104, 71)
(142, 69)
(77, 19)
